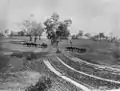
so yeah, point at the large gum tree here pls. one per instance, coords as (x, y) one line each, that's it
(57, 30)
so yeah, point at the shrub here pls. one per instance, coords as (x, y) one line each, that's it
(44, 45)
(116, 54)
(30, 56)
(43, 84)
(17, 54)
(27, 55)
(58, 51)
(41, 54)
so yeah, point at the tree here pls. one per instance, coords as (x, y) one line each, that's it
(28, 28)
(70, 40)
(21, 33)
(40, 30)
(95, 37)
(101, 35)
(11, 34)
(6, 31)
(32, 28)
(80, 33)
(74, 36)
(106, 38)
(37, 30)
(87, 35)
(56, 29)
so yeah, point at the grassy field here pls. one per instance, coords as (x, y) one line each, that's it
(99, 52)
(14, 44)
(30, 58)
(26, 59)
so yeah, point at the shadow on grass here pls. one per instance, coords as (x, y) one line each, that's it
(29, 55)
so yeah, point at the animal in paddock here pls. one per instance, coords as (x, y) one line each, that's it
(27, 43)
(69, 48)
(44, 45)
(33, 44)
(82, 50)
(30, 44)
(39, 45)
(74, 49)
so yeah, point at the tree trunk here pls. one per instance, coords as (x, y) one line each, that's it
(57, 47)
(70, 43)
(52, 42)
(35, 39)
(30, 37)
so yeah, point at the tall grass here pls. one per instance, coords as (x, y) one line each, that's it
(4, 60)
(116, 54)
(43, 84)
(29, 55)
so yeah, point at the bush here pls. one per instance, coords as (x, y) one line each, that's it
(43, 84)
(27, 55)
(116, 54)
(44, 45)
(17, 54)
(58, 51)
(30, 56)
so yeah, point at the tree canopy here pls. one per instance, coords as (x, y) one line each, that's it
(32, 28)
(37, 29)
(80, 33)
(57, 29)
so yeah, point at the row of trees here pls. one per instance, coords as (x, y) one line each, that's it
(81, 33)
(99, 36)
(54, 28)
(31, 28)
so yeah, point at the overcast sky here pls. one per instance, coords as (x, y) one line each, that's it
(88, 15)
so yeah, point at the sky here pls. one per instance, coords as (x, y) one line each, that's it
(88, 15)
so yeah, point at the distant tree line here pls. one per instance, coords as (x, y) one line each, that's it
(97, 37)
(56, 30)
